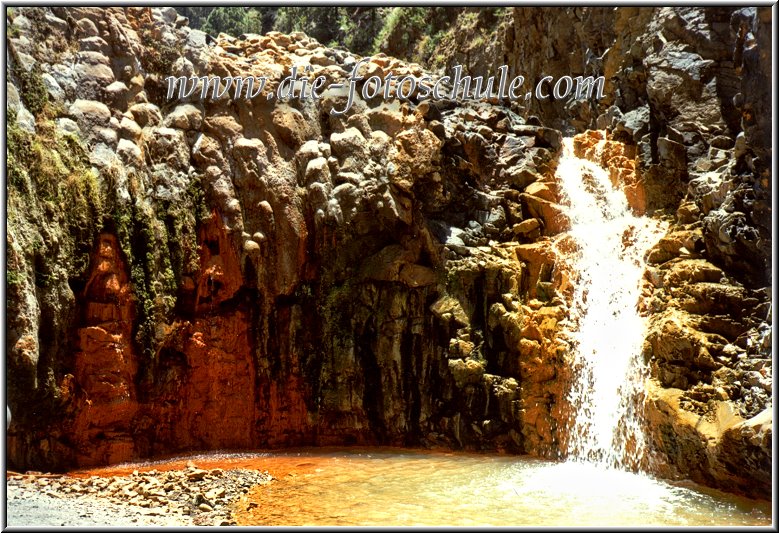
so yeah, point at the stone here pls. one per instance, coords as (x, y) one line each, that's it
(184, 117)
(417, 275)
(635, 123)
(317, 171)
(25, 120)
(466, 372)
(216, 493)
(168, 14)
(90, 114)
(526, 226)
(95, 44)
(541, 190)
(451, 308)
(167, 144)
(740, 147)
(552, 215)
(146, 114)
(52, 87)
(87, 28)
(224, 127)
(94, 74)
(129, 153)
(349, 143)
(130, 130)
(117, 94)
(251, 247)
(292, 126)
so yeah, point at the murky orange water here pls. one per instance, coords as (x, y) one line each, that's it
(390, 487)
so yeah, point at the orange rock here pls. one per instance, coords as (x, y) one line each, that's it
(555, 220)
(621, 161)
(541, 260)
(212, 405)
(105, 365)
(220, 271)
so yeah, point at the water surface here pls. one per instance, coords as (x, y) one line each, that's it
(408, 488)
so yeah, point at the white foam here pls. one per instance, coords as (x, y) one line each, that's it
(607, 330)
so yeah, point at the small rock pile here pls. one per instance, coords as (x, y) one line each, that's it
(192, 496)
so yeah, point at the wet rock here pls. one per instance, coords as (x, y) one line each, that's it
(106, 365)
(634, 123)
(552, 215)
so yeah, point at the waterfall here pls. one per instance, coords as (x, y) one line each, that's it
(606, 329)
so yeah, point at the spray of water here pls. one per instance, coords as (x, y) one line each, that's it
(606, 329)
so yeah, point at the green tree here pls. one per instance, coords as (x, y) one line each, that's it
(197, 15)
(231, 20)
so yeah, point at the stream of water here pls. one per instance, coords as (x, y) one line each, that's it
(607, 266)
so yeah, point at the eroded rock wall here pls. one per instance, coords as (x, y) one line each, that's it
(267, 274)
(683, 85)
(682, 92)
(709, 348)
(249, 274)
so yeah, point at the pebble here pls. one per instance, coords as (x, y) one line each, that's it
(168, 495)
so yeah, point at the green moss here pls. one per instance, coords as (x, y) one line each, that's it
(414, 31)
(48, 171)
(337, 310)
(429, 44)
(13, 278)
(160, 244)
(159, 58)
(390, 24)
(32, 89)
(57, 206)
(50, 175)
(469, 18)
(55, 211)
(18, 150)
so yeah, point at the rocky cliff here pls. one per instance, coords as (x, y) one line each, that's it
(209, 274)
(688, 89)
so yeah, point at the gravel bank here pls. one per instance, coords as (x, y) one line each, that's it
(174, 498)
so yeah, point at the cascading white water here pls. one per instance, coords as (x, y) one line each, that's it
(607, 330)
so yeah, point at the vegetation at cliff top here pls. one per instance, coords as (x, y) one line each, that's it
(410, 33)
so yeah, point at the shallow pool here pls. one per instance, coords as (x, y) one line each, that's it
(400, 488)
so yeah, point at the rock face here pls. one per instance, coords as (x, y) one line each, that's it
(684, 139)
(268, 274)
(681, 86)
(708, 345)
(258, 273)
(621, 161)
(106, 365)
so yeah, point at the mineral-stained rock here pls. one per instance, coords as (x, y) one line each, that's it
(246, 273)
(718, 447)
(552, 214)
(106, 366)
